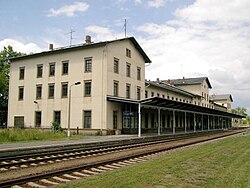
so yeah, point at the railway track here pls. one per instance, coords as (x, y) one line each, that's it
(55, 177)
(32, 160)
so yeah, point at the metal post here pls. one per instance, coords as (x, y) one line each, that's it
(139, 120)
(208, 122)
(77, 83)
(68, 133)
(159, 121)
(194, 123)
(202, 121)
(173, 121)
(185, 122)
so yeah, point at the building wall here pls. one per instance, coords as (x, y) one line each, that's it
(168, 94)
(101, 77)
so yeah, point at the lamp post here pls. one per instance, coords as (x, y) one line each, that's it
(77, 83)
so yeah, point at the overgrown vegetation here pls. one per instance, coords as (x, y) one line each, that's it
(241, 111)
(56, 127)
(223, 163)
(17, 135)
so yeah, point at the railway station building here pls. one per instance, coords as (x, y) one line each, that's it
(102, 87)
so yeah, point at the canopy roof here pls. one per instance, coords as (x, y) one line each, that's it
(175, 105)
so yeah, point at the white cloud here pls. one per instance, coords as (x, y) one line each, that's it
(20, 47)
(218, 11)
(156, 3)
(207, 38)
(69, 10)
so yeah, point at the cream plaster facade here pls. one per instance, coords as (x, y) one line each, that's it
(101, 77)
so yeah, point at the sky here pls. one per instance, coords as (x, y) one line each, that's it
(183, 38)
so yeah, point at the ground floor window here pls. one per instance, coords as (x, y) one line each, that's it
(57, 117)
(115, 118)
(87, 119)
(38, 119)
(19, 121)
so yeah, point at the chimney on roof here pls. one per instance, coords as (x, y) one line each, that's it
(88, 39)
(158, 80)
(51, 47)
(169, 82)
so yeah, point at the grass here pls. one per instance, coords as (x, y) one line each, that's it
(222, 164)
(25, 135)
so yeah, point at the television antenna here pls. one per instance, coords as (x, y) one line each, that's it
(71, 36)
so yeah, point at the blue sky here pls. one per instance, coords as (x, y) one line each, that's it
(187, 38)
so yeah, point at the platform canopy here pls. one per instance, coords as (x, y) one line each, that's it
(158, 102)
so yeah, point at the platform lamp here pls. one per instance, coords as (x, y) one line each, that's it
(77, 83)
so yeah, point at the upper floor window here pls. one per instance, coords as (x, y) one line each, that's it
(152, 94)
(39, 73)
(88, 65)
(116, 66)
(128, 52)
(38, 91)
(65, 67)
(21, 73)
(146, 94)
(87, 88)
(52, 69)
(138, 92)
(20, 93)
(116, 88)
(128, 71)
(64, 89)
(127, 91)
(138, 73)
(51, 91)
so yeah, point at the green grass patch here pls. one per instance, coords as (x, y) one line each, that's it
(25, 135)
(223, 164)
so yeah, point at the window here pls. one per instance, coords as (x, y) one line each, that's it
(138, 93)
(39, 73)
(163, 96)
(21, 73)
(116, 66)
(128, 52)
(51, 91)
(87, 119)
(115, 118)
(18, 121)
(138, 73)
(65, 67)
(128, 69)
(158, 94)
(87, 88)
(52, 68)
(146, 94)
(152, 118)
(152, 94)
(116, 88)
(38, 91)
(57, 117)
(38, 119)
(64, 90)
(88, 65)
(20, 93)
(127, 91)
(146, 120)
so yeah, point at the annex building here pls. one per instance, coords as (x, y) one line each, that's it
(102, 87)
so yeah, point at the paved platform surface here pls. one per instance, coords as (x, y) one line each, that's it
(86, 139)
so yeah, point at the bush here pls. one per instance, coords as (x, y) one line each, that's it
(56, 128)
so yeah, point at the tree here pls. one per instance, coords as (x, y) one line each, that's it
(5, 55)
(240, 111)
